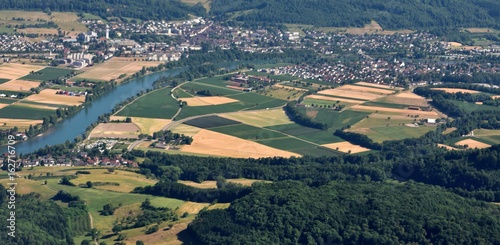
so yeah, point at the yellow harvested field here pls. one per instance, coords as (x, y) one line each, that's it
(38, 31)
(329, 98)
(115, 130)
(213, 143)
(49, 96)
(15, 70)
(261, 118)
(479, 103)
(19, 85)
(406, 98)
(447, 147)
(21, 123)
(472, 144)
(480, 30)
(115, 67)
(194, 207)
(456, 90)
(350, 94)
(454, 44)
(3, 105)
(346, 147)
(432, 114)
(186, 130)
(207, 101)
(150, 125)
(365, 89)
(495, 96)
(289, 87)
(379, 86)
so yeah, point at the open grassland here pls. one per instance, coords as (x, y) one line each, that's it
(19, 85)
(146, 125)
(352, 94)
(472, 144)
(21, 112)
(48, 73)
(262, 118)
(380, 134)
(334, 119)
(39, 31)
(346, 147)
(115, 67)
(32, 104)
(214, 143)
(248, 132)
(208, 101)
(372, 28)
(156, 104)
(456, 90)
(115, 130)
(49, 96)
(449, 130)
(290, 87)
(67, 21)
(7, 101)
(309, 134)
(366, 89)
(15, 70)
(216, 90)
(486, 132)
(127, 180)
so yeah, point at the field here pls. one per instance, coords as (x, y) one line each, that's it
(284, 93)
(353, 94)
(14, 70)
(346, 147)
(181, 94)
(115, 67)
(21, 112)
(146, 125)
(405, 98)
(212, 184)
(67, 21)
(471, 107)
(49, 96)
(380, 134)
(115, 130)
(48, 73)
(395, 111)
(19, 85)
(186, 130)
(210, 122)
(127, 180)
(31, 104)
(213, 143)
(447, 147)
(7, 123)
(456, 90)
(260, 118)
(472, 144)
(382, 86)
(156, 104)
(207, 101)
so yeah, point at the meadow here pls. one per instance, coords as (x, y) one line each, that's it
(48, 73)
(156, 104)
(210, 122)
(21, 112)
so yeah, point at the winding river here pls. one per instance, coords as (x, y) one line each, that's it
(74, 126)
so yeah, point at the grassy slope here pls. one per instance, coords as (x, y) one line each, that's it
(157, 104)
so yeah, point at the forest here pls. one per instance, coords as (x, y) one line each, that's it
(41, 222)
(392, 14)
(357, 212)
(140, 9)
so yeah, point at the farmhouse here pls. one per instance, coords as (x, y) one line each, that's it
(431, 121)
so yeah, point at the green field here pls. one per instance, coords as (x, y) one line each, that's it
(317, 151)
(310, 134)
(27, 103)
(247, 101)
(71, 89)
(48, 73)
(381, 134)
(334, 119)
(7, 101)
(157, 104)
(385, 104)
(180, 93)
(20, 112)
(3, 80)
(248, 132)
(193, 87)
(211, 122)
(471, 107)
(324, 103)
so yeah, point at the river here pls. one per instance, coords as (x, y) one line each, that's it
(75, 126)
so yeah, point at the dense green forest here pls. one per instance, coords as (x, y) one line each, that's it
(141, 9)
(41, 222)
(392, 14)
(350, 213)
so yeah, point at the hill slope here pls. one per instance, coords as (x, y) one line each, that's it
(141, 9)
(390, 14)
(350, 213)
